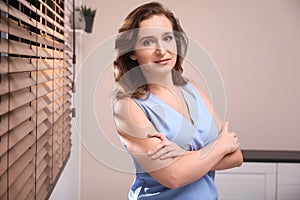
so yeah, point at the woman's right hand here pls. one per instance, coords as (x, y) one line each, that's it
(165, 149)
(228, 140)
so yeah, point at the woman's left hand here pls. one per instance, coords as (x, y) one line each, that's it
(165, 149)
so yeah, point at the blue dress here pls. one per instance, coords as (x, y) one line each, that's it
(190, 136)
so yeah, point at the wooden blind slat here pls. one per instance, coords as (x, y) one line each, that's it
(3, 147)
(44, 52)
(16, 13)
(31, 7)
(39, 171)
(58, 114)
(3, 65)
(66, 127)
(16, 64)
(17, 81)
(3, 165)
(66, 106)
(19, 115)
(45, 63)
(22, 32)
(16, 30)
(4, 45)
(42, 89)
(56, 94)
(18, 48)
(42, 149)
(41, 179)
(67, 55)
(68, 63)
(3, 188)
(68, 48)
(21, 182)
(53, 12)
(61, 91)
(58, 54)
(65, 98)
(35, 96)
(31, 50)
(30, 21)
(59, 83)
(27, 192)
(21, 48)
(43, 115)
(20, 132)
(44, 76)
(49, 42)
(4, 25)
(58, 35)
(20, 148)
(4, 85)
(43, 102)
(17, 168)
(42, 192)
(4, 124)
(62, 72)
(67, 118)
(20, 98)
(4, 104)
(3, 7)
(59, 7)
(43, 128)
(21, 80)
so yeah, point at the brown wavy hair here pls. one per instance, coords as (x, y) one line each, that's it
(134, 84)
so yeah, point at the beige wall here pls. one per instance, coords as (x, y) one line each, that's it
(255, 45)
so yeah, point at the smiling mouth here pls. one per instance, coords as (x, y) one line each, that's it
(163, 62)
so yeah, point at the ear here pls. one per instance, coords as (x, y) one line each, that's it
(133, 56)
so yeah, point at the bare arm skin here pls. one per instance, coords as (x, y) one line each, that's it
(133, 127)
(234, 159)
(166, 149)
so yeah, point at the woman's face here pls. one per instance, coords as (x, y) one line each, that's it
(156, 45)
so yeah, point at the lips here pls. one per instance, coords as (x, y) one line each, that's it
(163, 61)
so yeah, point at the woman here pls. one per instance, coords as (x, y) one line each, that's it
(165, 122)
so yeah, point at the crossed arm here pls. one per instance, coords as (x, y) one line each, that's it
(173, 172)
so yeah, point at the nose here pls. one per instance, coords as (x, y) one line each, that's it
(160, 49)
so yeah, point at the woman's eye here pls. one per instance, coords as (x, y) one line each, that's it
(168, 38)
(148, 42)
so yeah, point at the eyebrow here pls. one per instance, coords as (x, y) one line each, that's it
(151, 37)
(146, 37)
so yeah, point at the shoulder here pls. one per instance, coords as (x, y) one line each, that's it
(204, 98)
(201, 93)
(129, 117)
(124, 105)
(209, 105)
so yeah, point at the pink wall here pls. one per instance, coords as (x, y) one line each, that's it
(255, 46)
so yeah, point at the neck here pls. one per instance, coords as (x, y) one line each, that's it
(160, 80)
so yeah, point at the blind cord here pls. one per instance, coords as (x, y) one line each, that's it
(8, 115)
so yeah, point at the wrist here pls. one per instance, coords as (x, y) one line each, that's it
(222, 149)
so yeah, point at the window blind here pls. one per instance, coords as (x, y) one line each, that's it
(36, 78)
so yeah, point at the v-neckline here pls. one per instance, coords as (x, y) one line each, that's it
(191, 120)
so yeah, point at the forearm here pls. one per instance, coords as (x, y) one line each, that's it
(231, 160)
(191, 166)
